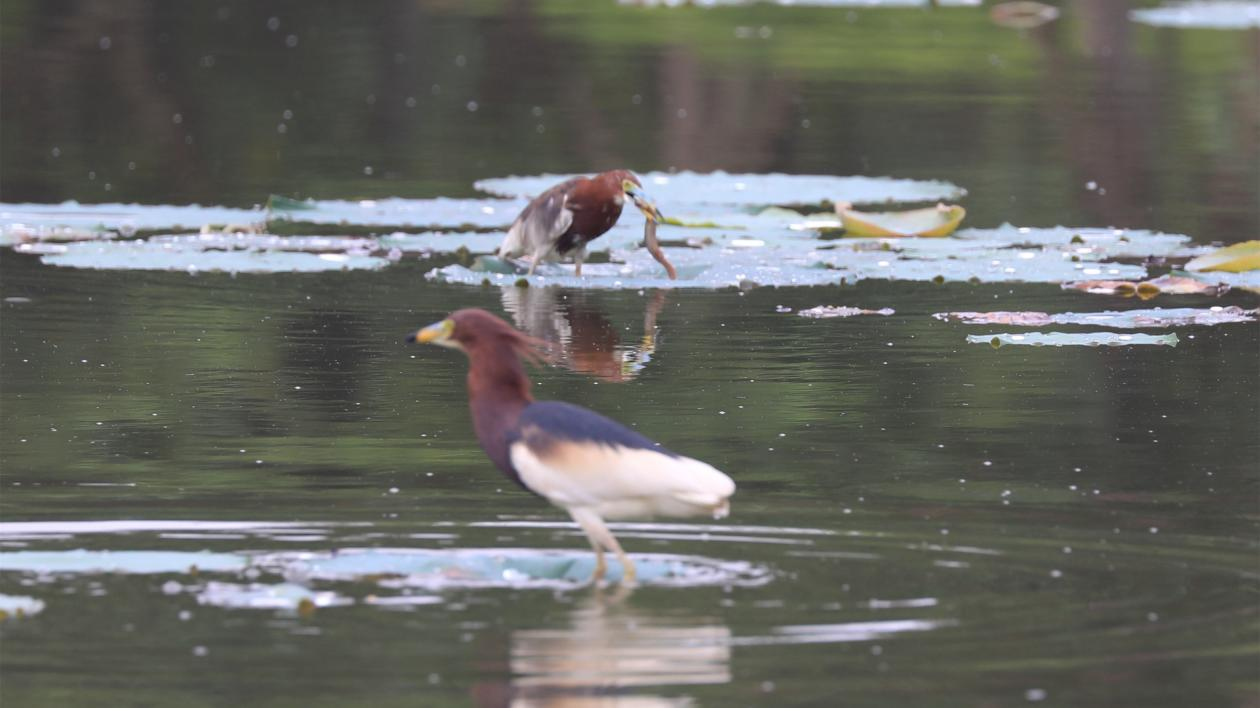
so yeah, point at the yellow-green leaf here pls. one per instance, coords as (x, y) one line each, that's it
(1232, 259)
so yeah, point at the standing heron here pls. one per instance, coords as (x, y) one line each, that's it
(591, 466)
(562, 220)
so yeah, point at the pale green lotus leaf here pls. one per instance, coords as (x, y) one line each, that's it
(229, 253)
(122, 218)
(1220, 15)
(260, 596)
(131, 562)
(19, 606)
(1074, 339)
(397, 213)
(1129, 319)
(439, 569)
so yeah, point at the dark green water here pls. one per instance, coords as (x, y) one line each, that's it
(932, 522)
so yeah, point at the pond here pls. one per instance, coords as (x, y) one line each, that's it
(224, 478)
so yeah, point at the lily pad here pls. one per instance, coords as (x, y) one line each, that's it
(1131, 319)
(1165, 285)
(133, 562)
(230, 253)
(1201, 15)
(121, 218)
(749, 190)
(1237, 258)
(1073, 339)
(779, 256)
(941, 220)
(261, 596)
(480, 568)
(19, 606)
(829, 311)
(403, 214)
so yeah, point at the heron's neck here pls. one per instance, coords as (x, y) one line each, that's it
(498, 391)
(496, 376)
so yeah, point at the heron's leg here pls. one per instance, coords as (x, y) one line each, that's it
(533, 263)
(578, 256)
(599, 535)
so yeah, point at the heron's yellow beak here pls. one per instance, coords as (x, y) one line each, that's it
(436, 333)
(640, 199)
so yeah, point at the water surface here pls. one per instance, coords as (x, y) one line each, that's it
(245, 489)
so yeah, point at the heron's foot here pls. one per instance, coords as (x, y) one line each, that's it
(629, 576)
(601, 569)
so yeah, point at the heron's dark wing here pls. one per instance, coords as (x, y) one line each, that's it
(541, 223)
(577, 458)
(546, 422)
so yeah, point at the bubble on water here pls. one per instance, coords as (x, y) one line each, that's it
(1035, 694)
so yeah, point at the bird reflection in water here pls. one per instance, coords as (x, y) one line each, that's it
(609, 653)
(587, 341)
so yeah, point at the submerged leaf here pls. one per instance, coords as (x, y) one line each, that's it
(1232, 259)
(938, 221)
(829, 311)
(19, 606)
(1083, 339)
(259, 596)
(1131, 319)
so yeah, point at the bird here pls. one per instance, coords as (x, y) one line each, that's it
(562, 220)
(591, 466)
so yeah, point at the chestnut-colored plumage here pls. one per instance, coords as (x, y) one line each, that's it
(562, 220)
(589, 465)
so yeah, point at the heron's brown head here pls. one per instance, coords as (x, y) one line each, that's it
(474, 330)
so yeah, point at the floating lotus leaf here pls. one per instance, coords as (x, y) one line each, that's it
(1247, 280)
(34, 236)
(1074, 339)
(19, 606)
(782, 257)
(439, 242)
(1237, 258)
(1131, 319)
(830, 311)
(937, 221)
(1201, 15)
(1165, 285)
(135, 562)
(399, 213)
(122, 218)
(260, 596)
(229, 253)
(519, 567)
(690, 188)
